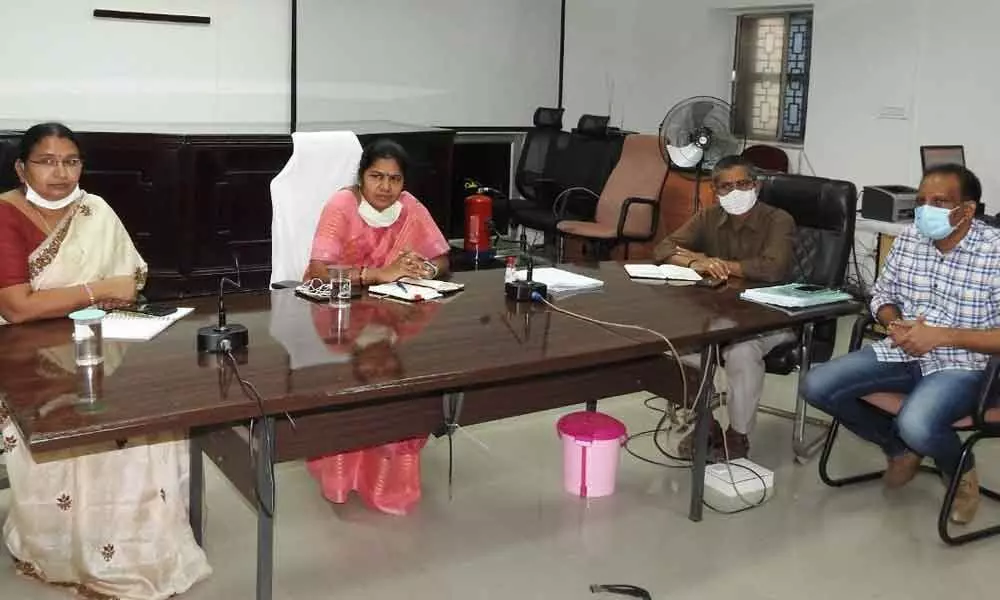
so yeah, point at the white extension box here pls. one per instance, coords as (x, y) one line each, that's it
(754, 482)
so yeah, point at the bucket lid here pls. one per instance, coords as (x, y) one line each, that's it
(590, 426)
(88, 314)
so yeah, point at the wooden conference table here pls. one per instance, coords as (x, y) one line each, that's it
(471, 359)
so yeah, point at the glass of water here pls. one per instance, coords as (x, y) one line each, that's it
(340, 284)
(88, 336)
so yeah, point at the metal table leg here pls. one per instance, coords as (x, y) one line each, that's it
(264, 453)
(196, 489)
(804, 449)
(703, 414)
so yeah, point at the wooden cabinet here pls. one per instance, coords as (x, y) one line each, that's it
(196, 204)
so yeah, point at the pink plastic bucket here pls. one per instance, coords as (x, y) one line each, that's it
(592, 444)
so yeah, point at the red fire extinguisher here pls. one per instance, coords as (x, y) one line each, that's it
(478, 222)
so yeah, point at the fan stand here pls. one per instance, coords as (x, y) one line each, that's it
(697, 185)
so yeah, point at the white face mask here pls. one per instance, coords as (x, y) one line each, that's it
(379, 218)
(738, 202)
(37, 200)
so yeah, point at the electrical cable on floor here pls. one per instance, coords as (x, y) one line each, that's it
(713, 357)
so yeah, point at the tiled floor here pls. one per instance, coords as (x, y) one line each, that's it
(509, 531)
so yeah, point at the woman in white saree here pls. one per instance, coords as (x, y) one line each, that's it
(107, 521)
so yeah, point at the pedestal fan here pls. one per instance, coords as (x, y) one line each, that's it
(696, 133)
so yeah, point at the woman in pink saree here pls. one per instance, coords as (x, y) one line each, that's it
(383, 234)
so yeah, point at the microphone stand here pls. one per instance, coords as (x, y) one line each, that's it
(224, 337)
(525, 291)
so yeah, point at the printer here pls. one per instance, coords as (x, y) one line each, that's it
(888, 202)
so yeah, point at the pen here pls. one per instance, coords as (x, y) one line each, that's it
(402, 287)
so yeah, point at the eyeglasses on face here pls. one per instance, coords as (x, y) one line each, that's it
(725, 187)
(938, 201)
(51, 162)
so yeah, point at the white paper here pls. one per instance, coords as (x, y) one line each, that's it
(558, 280)
(131, 326)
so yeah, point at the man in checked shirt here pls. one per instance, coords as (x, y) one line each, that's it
(938, 296)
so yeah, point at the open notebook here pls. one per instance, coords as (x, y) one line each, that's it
(662, 272)
(118, 325)
(404, 291)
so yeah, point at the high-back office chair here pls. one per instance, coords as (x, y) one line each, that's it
(581, 159)
(322, 162)
(983, 424)
(824, 211)
(533, 176)
(628, 207)
(767, 158)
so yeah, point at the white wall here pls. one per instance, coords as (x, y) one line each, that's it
(640, 57)
(931, 58)
(431, 62)
(60, 63)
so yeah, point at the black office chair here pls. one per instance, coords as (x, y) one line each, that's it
(582, 160)
(824, 211)
(533, 176)
(983, 424)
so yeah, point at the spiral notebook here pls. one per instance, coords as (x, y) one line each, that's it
(118, 325)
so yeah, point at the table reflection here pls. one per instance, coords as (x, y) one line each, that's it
(367, 333)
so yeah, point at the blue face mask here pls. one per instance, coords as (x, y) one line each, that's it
(932, 222)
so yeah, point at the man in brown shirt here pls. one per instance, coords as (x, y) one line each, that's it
(738, 237)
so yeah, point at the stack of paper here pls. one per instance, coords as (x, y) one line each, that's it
(559, 281)
(662, 272)
(133, 326)
(795, 295)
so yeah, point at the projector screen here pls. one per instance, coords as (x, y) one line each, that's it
(450, 63)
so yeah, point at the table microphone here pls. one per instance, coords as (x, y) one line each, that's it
(524, 291)
(224, 337)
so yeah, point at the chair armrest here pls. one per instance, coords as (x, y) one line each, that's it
(989, 393)
(562, 200)
(654, 221)
(862, 323)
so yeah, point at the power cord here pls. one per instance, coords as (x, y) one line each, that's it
(713, 357)
(673, 351)
(267, 442)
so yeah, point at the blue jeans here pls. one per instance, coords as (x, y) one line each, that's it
(924, 425)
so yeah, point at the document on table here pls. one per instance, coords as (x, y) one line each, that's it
(119, 325)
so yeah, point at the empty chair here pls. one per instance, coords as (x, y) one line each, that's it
(322, 162)
(533, 175)
(628, 206)
(581, 159)
(767, 158)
